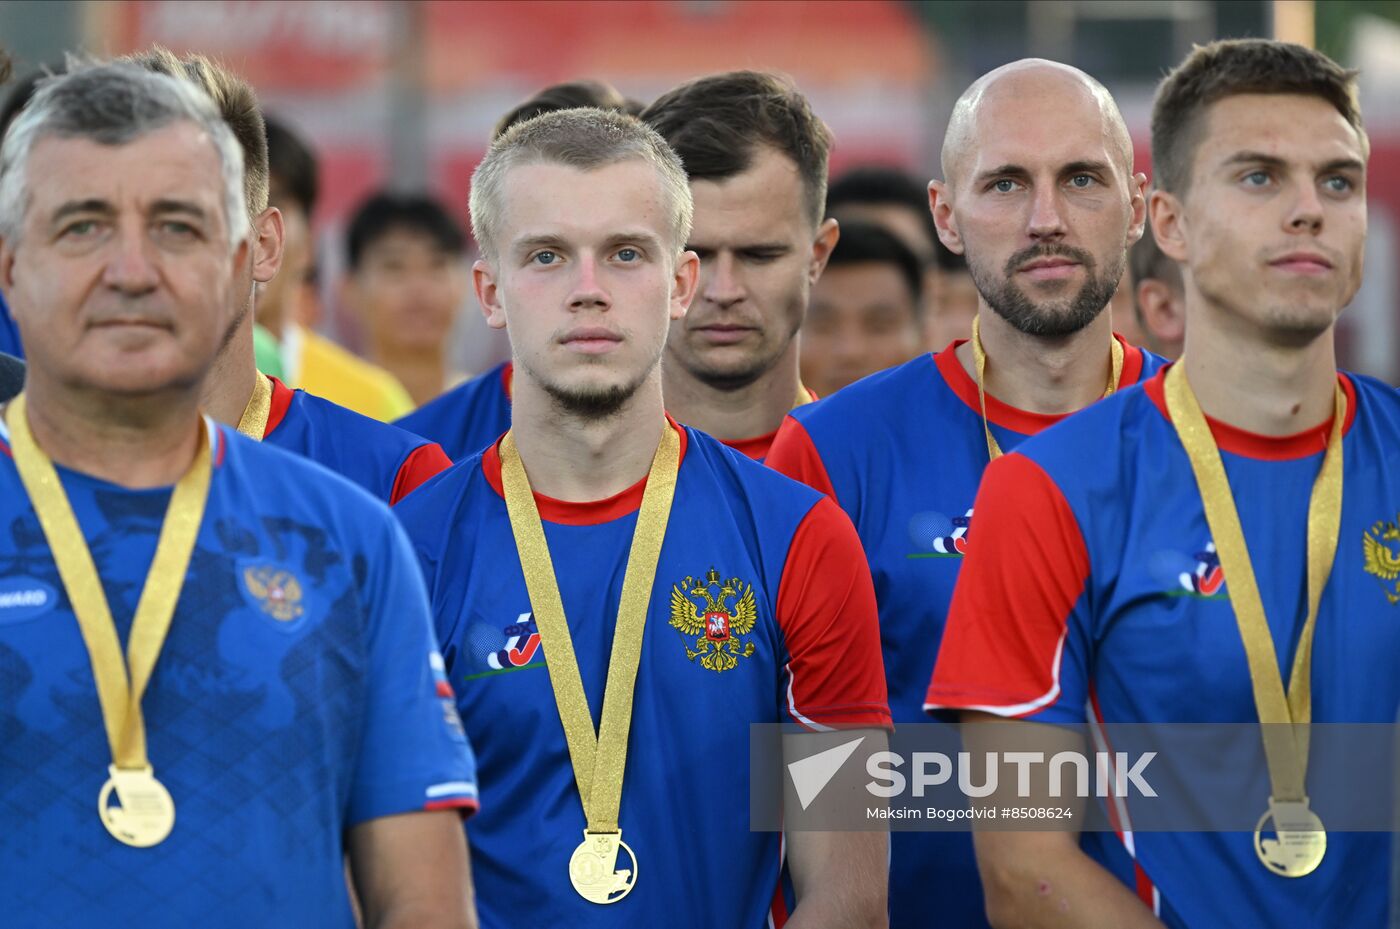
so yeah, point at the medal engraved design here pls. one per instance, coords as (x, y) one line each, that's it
(146, 813)
(593, 868)
(1300, 841)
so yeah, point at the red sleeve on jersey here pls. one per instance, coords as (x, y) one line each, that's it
(826, 610)
(1026, 567)
(794, 454)
(422, 463)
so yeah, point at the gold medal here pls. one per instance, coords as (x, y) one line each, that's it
(593, 868)
(1299, 842)
(979, 361)
(598, 760)
(146, 813)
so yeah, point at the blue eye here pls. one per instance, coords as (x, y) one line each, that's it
(628, 254)
(545, 258)
(82, 227)
(1004, 186)
(1338, 184)
(1081, 181)
(1256, 179)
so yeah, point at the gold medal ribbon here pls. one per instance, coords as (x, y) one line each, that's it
(599, 762)
(1285, 746)
(253, 423)
(804, 396)
(118, 694)
(979, 359)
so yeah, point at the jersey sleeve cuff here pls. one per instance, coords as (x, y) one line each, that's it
(415, 798)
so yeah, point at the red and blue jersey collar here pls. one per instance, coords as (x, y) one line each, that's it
(589, 513)
(1009, 417)
(1239, 441)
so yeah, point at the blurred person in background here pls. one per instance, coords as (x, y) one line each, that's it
(866, 313)
(406, 282)
(11, 367)
(756, 156)
(383, 459)
(1160, 297)
(1040, 195)
(899, 201)
(280, 695)
(15, 99)
(472, 415)
(309, 359)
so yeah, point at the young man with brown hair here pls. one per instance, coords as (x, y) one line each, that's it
(602, 556)
(756, 156)
(383, 459)
(1217, 546)
(1040, 194)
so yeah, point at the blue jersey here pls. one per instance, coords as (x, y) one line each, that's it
(808, 653)
(9, 332)
(383, 459)
(902, 451)
(468, 417)
(1093, 594)
(299, 693)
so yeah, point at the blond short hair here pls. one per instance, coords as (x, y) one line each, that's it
(585, 138)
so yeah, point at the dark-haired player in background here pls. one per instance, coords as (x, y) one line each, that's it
(756, 155)
(866, 313)
(898, 201)
(1159, 297)
(1039, 193)
(1217, 547)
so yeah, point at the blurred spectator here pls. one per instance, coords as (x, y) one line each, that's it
(566, 96)
(309, 360)
(15, 100)
(406, 283)
(1159, 298)
(899, 202)
(866, 312)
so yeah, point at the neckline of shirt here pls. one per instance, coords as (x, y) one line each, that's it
(571, 513)
(1248, 444)
(1007, 416)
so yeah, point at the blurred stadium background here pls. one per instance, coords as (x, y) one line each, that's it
(405, 93)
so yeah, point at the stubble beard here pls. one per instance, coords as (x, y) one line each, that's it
(1049, 319)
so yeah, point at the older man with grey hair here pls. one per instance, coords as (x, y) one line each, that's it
(218, 667)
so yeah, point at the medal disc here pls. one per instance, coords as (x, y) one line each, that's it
(1299, 842)
(593, 868)
(145, 813)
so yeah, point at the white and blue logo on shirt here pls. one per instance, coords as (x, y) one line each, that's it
(25, 598)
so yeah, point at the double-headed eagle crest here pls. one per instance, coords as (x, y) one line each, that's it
(717, 630)
(278, 592)
(1381, 546)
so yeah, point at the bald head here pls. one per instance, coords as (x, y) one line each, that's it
(1073, 101)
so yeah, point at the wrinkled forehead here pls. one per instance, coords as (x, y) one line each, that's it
(174, 162)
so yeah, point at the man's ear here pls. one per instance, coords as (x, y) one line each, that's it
(822, 246)
(270, 236)
(488, 294)
(940, 204)
(684, 283)
(1168, 224)
(1137, 187)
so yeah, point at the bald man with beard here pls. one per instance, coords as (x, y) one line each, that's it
(1040, 195)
